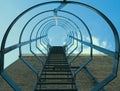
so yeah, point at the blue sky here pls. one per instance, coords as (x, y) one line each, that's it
(10, 9)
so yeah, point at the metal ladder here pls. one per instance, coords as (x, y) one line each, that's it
(56, 74)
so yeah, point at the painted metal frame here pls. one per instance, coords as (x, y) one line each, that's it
(114, 54)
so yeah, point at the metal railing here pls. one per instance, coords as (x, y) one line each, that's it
(74, 35)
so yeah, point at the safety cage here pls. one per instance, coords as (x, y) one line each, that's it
(59, 71)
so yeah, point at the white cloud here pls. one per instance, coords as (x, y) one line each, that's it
(86, 49)
(86, 38)
(97, 42)
(104, 44)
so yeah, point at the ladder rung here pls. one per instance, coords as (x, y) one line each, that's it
(56, 73)
(56, 63)
(56, 67)
(66, 65)
(56, 90)
(57, 70)
(56, 83)
(56, 78)
(57, 60)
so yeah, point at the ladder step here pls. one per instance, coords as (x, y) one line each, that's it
(58, 65)
(56, 78)
(56, 83)
(59, 81)
(56, 60)
(56, 70)
(56, 73)
(56, 90)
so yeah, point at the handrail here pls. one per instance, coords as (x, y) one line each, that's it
(13, 47)
(103, 50)
(71, 40)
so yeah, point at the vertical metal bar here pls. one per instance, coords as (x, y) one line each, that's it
(42, 32)
(71, 42)
(38, 33)
(116, 64)
(10, 81)
(29, 65)
(20, 38)
(1, 61)
(104, 82)
(62, 5)
(38, 58)
(93, 77)
(72, 46)
(82, 66)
